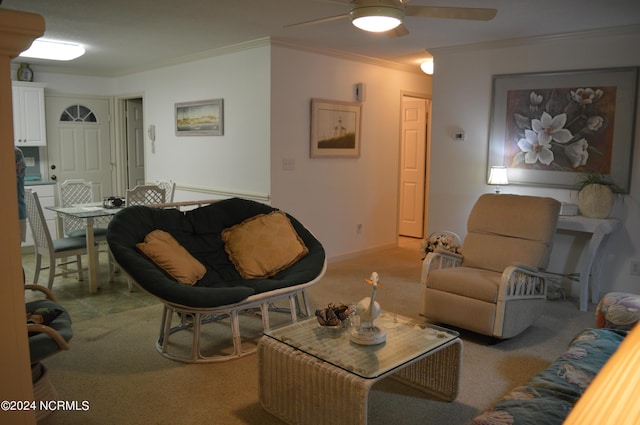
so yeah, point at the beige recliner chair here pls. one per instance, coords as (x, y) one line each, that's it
(495, 287)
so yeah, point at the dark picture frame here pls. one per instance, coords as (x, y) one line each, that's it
(552, 128)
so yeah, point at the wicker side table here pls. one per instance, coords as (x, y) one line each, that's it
(302, 389)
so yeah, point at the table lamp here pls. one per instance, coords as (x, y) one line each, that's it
(498, 176)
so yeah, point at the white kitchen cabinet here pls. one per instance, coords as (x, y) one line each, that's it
(46, 196)
(29, 127)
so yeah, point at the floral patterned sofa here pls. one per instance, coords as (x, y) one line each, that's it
(549, 396)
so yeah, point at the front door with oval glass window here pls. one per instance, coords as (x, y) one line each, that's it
(79, 145)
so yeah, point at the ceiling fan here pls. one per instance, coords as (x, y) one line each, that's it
(387, 15)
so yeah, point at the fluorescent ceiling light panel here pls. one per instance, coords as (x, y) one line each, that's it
(53, 50)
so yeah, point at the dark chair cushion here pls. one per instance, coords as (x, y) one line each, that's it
(98, 233)
(42, 345)
(199, 232)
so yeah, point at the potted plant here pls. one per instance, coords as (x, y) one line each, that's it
(596, 195)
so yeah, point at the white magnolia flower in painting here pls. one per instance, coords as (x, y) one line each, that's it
(578, 153)
(595, 122)
(535, 100)
(534, 149)
(586, 96)
(550, 128)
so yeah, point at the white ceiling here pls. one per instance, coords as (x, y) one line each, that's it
(123, 36)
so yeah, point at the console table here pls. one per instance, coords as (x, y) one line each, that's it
(599, 229)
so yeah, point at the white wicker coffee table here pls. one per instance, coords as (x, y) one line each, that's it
(313, 375)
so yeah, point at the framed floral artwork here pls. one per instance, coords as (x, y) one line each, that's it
(335, 129)
(551, 128)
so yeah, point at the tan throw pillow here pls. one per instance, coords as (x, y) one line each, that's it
(263, 245)
(170, 256)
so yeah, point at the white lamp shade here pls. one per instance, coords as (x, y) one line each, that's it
(498, 176)
(376, 18)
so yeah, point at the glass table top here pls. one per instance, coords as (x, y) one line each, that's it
(406, 339)
(90, 210)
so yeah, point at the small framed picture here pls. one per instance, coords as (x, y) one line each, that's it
(335, 129)
(200, 118)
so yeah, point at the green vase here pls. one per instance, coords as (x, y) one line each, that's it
(25, 73)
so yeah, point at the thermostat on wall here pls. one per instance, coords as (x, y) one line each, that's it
(358, 92)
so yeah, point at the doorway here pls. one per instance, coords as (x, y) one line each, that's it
(79, 141)
(134, 142)
(413, 166)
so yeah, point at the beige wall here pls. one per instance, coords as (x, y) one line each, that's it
(333, 196)
(267, 91)
(462, 99)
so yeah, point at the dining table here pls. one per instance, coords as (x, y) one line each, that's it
(89, 213)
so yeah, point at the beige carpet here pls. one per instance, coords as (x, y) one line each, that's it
(114, 366)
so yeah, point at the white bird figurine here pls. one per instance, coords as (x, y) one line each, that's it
(368, 308)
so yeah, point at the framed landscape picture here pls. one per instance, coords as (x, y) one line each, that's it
(335, 129)
(200, 118)
(552, 128)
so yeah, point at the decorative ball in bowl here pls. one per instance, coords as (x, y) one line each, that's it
(333, 315)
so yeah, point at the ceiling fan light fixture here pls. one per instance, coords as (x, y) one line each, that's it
(53, 50)
(376, 18)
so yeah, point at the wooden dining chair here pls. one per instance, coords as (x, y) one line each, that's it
(62, 248)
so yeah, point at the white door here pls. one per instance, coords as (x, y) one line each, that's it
(135, 142)
(412, 167)
(79, 142)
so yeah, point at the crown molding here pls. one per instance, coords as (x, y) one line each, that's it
(232, 48)
(221, 51)
(346, 56)
(523, 41)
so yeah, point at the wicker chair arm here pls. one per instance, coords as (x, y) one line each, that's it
(34, 327)
(527, 267)
(48, 293)
(522, 281)
(439, 260)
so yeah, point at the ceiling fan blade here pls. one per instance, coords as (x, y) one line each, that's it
(318, 21)
(471, 13)
(399, 31)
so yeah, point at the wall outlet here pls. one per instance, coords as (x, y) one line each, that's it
(635, 267)
(288, 164)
